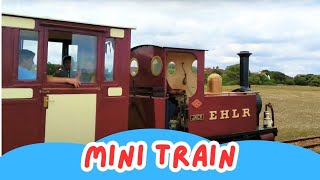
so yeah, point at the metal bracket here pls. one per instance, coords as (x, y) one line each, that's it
(44, 91)
(46, 102)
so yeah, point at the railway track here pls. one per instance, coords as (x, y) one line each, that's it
(309, 143)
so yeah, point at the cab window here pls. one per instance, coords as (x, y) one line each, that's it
(171, 68)
(156, 65)
(27, 55)
(109, 59)
(72, 55)
(195, 66)
(134, 67)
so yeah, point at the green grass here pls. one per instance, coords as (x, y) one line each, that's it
(297, 109)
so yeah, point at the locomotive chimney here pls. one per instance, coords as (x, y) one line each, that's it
(244, 70)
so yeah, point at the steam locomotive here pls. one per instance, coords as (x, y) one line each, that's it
(122, 88)
(167, 91)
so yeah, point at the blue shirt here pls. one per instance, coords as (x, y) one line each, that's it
(25, 74)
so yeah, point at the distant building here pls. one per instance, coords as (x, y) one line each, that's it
(264, 73)
(209, 70)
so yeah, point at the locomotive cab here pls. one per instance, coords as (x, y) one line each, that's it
(167, 91)
(165, 79)
(36, 110)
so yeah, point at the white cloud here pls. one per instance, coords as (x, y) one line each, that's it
(283, 36)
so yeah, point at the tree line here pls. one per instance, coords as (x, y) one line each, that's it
(231, 76)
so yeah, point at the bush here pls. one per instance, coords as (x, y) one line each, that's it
(289, 81)
(231, 76)
(314, 80)
(51, 68)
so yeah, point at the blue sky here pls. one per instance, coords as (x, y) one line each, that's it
(283, 36)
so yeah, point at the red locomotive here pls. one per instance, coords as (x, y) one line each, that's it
(145, 87)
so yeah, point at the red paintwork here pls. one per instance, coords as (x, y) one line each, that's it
(210, 128)
(159, 116)
(24, 120)
(112, 116)
(21, 119)
(267, 137)
(112, 112)
(146, 112)
(144, 78)
(20, 124)
(141, 113)
(7, 58)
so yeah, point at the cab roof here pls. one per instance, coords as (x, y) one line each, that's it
(165, 47)
(64, 20)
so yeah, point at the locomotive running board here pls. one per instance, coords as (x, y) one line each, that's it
(250, 135)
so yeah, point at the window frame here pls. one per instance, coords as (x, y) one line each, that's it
(134, 59)
(116, 81)
(175, 68)
(161, 68)
(72, 31)
(15, 51)
(196, 67)
(113, 81)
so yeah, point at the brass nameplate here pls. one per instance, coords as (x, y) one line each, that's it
(196, 117)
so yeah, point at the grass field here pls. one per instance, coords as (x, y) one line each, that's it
(297, 109)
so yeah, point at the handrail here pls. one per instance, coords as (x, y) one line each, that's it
(69, 90)
(147, 91)
(229, 93)
(272, 112)
(72, 89)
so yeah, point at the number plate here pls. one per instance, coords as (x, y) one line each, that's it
(196, 117)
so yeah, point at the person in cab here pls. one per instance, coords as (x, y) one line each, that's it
(65, 70)
(26, 72)
(87, 72)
